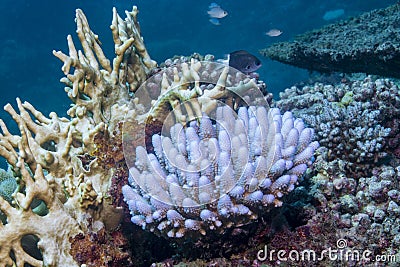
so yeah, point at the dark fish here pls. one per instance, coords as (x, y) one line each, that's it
(244, 61)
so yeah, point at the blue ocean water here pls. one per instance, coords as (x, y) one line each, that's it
(31, 30)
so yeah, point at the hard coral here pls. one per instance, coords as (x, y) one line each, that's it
(355, 131)
(68, 178)
(206, 177)
(357, 44)
(22, 222)
(77, 167)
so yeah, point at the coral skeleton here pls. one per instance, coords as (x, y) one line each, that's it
(22, 221)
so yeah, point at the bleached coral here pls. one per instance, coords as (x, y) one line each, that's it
(69, 184)
(22, 222)
(209, 177)
(98, 88)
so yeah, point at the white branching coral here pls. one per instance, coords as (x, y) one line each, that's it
(53, 229)
(219, 159)
(209, 177)
(98, 88)
(67, 179)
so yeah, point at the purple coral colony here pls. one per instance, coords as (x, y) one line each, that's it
(156, 160)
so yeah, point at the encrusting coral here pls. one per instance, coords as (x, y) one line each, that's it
(67, 185)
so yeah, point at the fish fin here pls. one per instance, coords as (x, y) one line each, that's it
(215, 21)
(213, 5)
(239, 52)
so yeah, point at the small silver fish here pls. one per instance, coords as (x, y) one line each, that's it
(273, 32)
(216, 11)
(244, 61)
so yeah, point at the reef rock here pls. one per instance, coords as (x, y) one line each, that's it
(369, 43)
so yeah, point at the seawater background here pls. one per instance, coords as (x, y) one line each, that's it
(30, 30)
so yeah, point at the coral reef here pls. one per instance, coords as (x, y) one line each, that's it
(368, 43)
(70, 171)
(361, 210)
(336, 203)
(192, 150)
(352, 120)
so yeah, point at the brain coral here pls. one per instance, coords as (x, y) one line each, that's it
(218, 169)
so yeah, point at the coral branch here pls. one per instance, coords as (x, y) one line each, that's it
(94, 86)
(21, 221)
